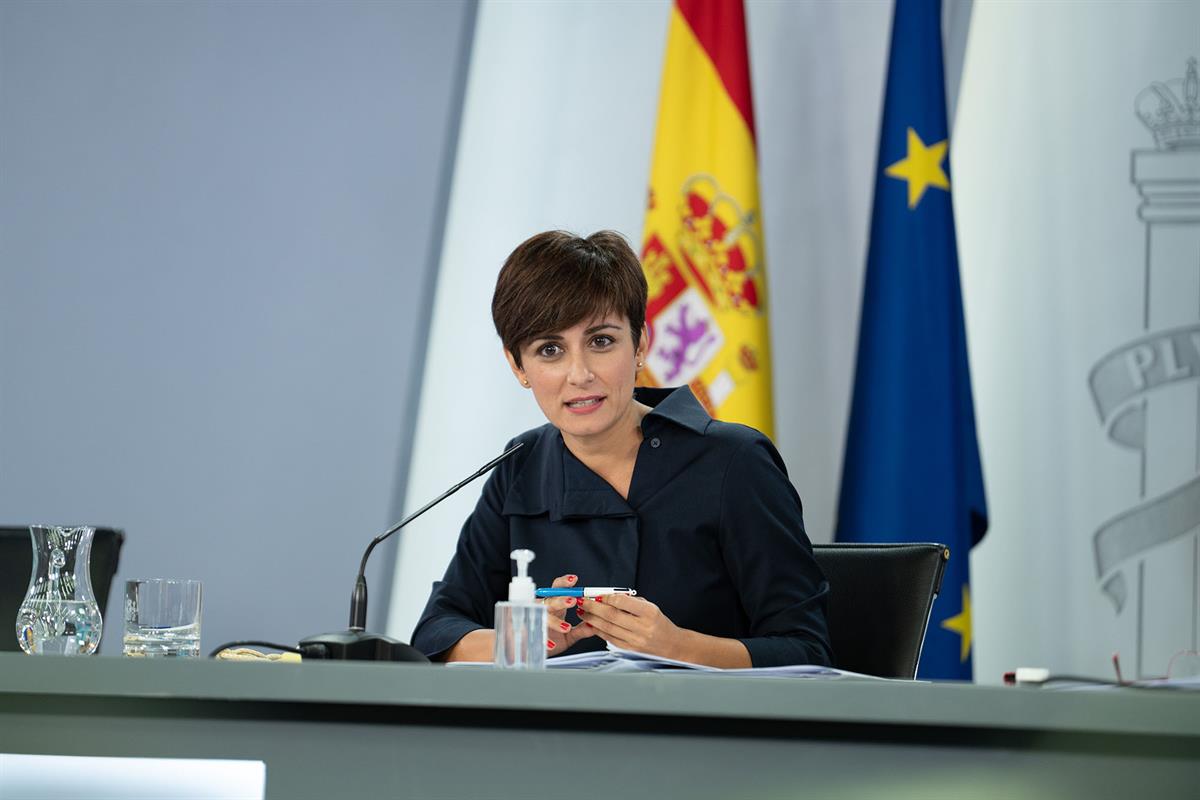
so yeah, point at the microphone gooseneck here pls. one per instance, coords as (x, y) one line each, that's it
(354, 643)
(358, 600)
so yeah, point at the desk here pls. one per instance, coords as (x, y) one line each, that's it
(430, 731)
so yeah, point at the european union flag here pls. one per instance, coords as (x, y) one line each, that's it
(911, 469)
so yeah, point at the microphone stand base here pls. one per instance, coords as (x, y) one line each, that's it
(362, 646)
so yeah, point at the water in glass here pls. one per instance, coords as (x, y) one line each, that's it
(180, 641)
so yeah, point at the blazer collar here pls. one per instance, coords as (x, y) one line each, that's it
(550, 480)
(677, 405)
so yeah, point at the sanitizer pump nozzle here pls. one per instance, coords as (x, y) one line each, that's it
(521, 588)
(521, 621)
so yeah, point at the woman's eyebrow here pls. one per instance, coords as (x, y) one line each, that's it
(602, 326)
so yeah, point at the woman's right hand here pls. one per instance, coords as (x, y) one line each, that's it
(560, 634)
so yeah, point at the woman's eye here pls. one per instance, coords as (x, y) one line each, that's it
(548, 350)
(602, 341)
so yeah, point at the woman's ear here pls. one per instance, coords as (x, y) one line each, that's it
(516, 370)
(643, 345)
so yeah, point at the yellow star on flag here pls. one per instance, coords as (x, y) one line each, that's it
(922, 168)
(961, 624)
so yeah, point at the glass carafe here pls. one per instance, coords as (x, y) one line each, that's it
(59, 615)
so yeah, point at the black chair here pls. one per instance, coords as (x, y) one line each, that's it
(16, 562)
(880, 596)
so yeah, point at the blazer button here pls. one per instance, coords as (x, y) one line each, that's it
(655, 442)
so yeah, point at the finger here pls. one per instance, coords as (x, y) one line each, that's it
(558, 634)
(565, 581)
(596, 625)
(555, 641)
(617, 641)
(597, 608)
(557, 606)
(628, 640)
(606, 628)
(638, 606)
(556, 627)
(589, 606)
(579, 632)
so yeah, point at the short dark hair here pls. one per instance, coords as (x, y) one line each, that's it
(556, 279)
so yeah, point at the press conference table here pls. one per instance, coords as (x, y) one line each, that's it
(338, 730)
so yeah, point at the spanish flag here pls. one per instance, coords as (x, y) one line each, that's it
(703, 245)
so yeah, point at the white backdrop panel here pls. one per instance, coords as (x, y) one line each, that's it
(1055, 268)
(548, 140)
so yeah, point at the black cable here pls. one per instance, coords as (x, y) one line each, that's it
(256, 643)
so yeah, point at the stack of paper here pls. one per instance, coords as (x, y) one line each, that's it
(616, 659)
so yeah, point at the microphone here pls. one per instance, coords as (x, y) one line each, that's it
(357, 645)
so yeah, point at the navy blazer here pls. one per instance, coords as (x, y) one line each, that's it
(712, 532)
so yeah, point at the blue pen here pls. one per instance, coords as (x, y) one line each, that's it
(590, 591)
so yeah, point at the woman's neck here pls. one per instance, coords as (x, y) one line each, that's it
(614, 449)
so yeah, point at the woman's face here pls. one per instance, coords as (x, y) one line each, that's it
(583, 377)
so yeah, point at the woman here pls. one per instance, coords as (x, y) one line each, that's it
(626, 487)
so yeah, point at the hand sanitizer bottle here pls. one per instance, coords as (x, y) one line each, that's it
(521, 622)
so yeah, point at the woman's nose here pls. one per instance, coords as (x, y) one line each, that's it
(579, 374)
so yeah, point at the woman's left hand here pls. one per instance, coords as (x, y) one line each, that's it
(633, 623)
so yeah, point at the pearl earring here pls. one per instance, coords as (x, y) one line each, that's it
(525, 383)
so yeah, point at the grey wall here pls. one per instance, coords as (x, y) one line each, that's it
(217, 222)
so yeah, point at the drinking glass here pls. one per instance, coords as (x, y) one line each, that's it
(162, 618)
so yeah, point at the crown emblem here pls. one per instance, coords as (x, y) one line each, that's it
(717, 240)
(1171, 110)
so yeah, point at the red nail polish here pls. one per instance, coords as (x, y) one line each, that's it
(572, 578)
(566, 626)
(570, 601)
(550, 644)
(599, 599)
(588, 624)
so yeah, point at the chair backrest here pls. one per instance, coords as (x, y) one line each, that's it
(16, 563)
(880, 596)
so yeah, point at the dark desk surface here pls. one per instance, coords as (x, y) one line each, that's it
(435, 731)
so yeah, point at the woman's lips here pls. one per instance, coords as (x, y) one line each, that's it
(585, 405)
